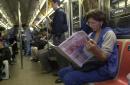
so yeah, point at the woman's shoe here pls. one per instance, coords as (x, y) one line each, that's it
(58, 80)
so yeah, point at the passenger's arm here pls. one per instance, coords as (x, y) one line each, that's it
(107, 46)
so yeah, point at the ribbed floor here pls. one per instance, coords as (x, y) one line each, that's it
(30, 75)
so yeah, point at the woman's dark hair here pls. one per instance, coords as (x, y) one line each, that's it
(96, 15)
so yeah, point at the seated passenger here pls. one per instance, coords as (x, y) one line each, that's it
(45, 57)
(103, 45)
(38, 44)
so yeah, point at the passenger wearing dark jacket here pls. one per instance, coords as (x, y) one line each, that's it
(59, 27)
(59, 23)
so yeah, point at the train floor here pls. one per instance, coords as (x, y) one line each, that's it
(31, 74)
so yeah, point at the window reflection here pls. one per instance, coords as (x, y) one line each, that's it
(122, 4)
(128, 2)
(75, 6)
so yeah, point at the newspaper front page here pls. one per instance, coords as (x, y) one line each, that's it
(75, 49)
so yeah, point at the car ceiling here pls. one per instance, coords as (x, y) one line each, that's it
(27, 8)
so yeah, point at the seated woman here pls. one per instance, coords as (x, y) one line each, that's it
(103, 45)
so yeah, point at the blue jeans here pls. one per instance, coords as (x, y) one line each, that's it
(28, 47)
(73, 77)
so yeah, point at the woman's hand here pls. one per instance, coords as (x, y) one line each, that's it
(90, 43)
(91, 46)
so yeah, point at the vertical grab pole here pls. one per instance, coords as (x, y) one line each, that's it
(80, 12)
(71, 16)
(47, 22)
(20, 34)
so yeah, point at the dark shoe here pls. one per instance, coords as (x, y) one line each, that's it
(34, 60)
(58, 80)
(46, 72)
(1, 79)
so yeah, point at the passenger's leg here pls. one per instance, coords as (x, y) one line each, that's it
(28, 48)
(61, 61)
(25, 47)
(13, 56)
(80, 78)
(43, 57)
(34, 53)
(64, 71)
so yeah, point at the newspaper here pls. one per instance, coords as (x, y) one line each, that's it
(75, 49)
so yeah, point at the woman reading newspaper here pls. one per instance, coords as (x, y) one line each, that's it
(102, 44)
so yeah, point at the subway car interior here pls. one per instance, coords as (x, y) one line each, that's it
(30, 33)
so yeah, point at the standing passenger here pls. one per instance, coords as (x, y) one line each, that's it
(59, 23)
(27, 39)
(13, 41)
(59, 27)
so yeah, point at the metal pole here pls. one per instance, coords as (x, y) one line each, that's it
(80, 13)
(20, 35)
(71, 17)
(67, 6)
(47, 22)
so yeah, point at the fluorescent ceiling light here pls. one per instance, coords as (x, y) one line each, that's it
(48, 14)
(37, 12)
(51, 11)
(3, 25)
(40, 20)
(121, 4)
(65, 0)
(5, 16)
(44, 20)
(128, 2)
